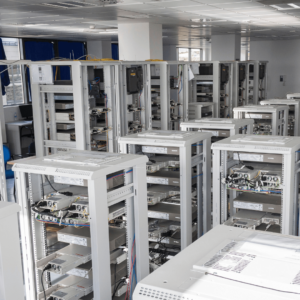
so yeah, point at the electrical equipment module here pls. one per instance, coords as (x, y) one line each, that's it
(80, 113)
(268, 120)
(256, 179)
(178, 184)
(213, 83)
(82, 218)
(294, 113)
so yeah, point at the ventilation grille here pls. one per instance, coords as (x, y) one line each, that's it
(155, 294)
(20, 166)
(73, 172)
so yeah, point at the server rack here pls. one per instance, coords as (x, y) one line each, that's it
(178, 93)
(257, 80)
(268, 120)
(136, 99)
(81, 208)
(82, 113)
(294, 113)
(240, 83)
(213, 82)
(179, 166)
(261, 175)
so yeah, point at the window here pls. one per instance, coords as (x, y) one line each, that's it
(183, 54)
(14, 92)
(195, 54)
(189, 54)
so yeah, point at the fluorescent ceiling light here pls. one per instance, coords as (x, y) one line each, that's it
(293, 5)
(31, 25)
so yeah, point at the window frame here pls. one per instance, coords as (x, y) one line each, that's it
(22, 74)
(190, 52)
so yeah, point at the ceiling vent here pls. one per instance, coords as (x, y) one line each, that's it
(69, 4)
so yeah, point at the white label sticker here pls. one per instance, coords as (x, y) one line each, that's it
(148, 149)
(157, 215)
(71, 239)
(67, 180)
(41, 74)
(245, 205)
(158, 180)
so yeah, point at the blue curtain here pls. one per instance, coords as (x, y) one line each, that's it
(115, 51)
(70, 50)
(35, 51)
(4, 75)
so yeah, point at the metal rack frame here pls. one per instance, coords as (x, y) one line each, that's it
(279, 115)
(3, 190)
(216, 81)
(182, 95)
(80, 90)
(287, 147)
(182, 143)
(258, 86)
(294, 103)
(93, 168)
(197, 110)
(243, 99)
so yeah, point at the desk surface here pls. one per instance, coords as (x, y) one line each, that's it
(12, 162)
(20, 123)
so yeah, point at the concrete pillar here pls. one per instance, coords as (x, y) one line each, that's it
(101, 49)
(226, 47)
(140, 41)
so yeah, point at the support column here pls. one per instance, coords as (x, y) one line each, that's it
(101, 49)
(226, 47)
(140, 41)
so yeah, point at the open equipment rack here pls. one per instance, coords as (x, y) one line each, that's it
(81, 113)
(294, 113)
(257, 81)
(189, 155)
(108, 190)
(135, 103)
(261, 175)
(178, 93)
(240, 83)
(213, 82)
(268, 120)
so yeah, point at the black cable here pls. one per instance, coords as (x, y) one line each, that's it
(45, 269)
(120, 282)
(51, 184)
(63, 193)
(43, 187)
(115, 276)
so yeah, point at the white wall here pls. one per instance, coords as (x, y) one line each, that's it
(283, 57)
(140, 41)
(226, 47)
(101, 49)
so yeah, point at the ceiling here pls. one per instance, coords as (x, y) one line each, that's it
(189, 23)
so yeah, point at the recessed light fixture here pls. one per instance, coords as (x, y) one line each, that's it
(293, 5)
(32, 25)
